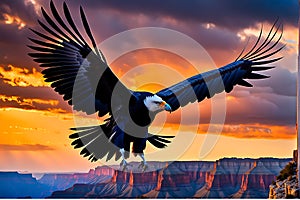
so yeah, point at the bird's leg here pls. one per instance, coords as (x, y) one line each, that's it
(123, 164)
(143, 164)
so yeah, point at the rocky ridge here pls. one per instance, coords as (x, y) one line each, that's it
(286, 185)
(225, 178)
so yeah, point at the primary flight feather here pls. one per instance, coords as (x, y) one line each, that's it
(79, 72)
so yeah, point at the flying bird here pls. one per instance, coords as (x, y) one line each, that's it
(80, 73)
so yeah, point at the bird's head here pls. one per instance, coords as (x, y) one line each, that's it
(155, 103)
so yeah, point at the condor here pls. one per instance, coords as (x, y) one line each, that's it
(80, 73)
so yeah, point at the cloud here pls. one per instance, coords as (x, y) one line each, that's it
(220, 39)
(27, 103)
(112, 17)
(8, 19)
(13, 46)
(264, 108)
(18, 12)
(22, 77)
(230, 14)
(254, 130)
(15, 18)
(282, 82)
(25, 147)
(258, 131)
(33, 98)
(23, 88)
(264, 102)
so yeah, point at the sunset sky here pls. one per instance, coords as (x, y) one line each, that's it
(260, 121)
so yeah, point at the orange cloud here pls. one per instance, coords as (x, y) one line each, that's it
(22, 77)
(25, 102)
(25, 147)
(9, 19)
(256, 131)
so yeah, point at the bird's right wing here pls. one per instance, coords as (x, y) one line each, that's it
(77, 71)
(207, 84)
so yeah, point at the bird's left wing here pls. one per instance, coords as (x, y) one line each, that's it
(77, 70)
(207, 84)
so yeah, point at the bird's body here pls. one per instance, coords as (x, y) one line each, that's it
(81, 74)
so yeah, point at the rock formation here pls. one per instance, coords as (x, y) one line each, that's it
(286, 185)
(225, 178)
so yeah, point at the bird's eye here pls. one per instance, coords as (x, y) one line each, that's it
(156, 102)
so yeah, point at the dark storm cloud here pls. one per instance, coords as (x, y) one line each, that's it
(282, 81)
(111, 17)
(19, 8)
(232, 14)
(266, 108)
(13, 38)
(13, 46)
(270, 100)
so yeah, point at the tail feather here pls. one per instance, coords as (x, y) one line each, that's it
(86, 139)
(94, 141)
(162, 140)
(159, 141)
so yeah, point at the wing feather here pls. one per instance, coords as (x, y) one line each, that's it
(207, 84)
(76, 70)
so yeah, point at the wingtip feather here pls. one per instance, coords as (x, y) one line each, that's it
(244, 83)
(256, 76)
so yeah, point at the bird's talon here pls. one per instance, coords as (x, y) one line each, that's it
(140, 165)
(124, 165)
(143, 166)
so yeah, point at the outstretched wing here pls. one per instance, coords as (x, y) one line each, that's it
(207, 84)
(77, 70)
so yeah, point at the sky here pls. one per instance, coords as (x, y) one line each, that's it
(258, 121)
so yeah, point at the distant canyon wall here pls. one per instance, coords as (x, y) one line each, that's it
(225, 178)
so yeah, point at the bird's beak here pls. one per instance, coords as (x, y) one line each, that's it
(166, 106)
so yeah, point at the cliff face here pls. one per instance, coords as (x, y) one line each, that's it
(244, 178)
(286, 185)
(231, 178)
(234, 178)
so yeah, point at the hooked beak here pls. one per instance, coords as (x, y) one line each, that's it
(168, 108)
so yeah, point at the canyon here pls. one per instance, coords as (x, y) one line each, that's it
(224, 178)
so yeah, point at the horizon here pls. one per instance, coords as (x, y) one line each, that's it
(40, 174)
